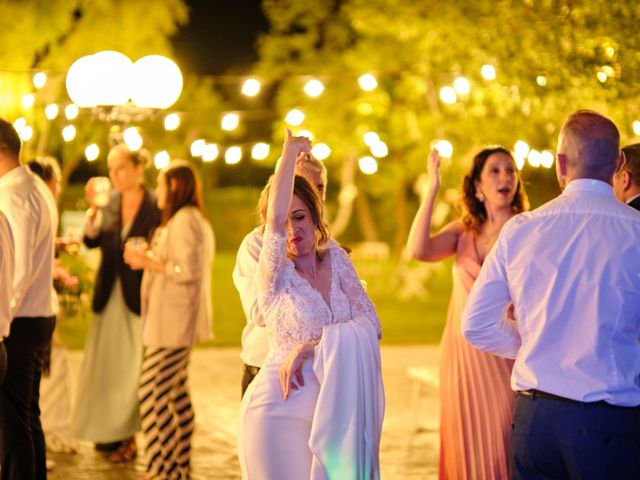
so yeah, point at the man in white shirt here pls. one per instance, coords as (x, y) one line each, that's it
(31, 212)
(626, 181)
(7, 268)
(571, 269)
(254, 335)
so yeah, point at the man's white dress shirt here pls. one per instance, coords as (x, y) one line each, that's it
(571, 268)
(31, 211)
(7, 267)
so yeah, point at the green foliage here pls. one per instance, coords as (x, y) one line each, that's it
(415, 47)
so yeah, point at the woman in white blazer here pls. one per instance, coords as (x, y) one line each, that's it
(176, 313)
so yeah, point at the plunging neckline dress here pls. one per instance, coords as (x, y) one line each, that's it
(476, 397)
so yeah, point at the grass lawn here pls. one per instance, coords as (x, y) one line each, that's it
(410, 321)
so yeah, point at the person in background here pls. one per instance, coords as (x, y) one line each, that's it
(31, 212)
(626, 181)
(254, 334)
(476, 400)
(107, 410)
(7, 268)
(570, 269)
(176, 314)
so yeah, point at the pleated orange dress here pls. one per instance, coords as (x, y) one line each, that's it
(476, 397)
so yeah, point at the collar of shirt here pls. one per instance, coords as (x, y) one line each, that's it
(632, 199)
(590, 185)
(14, 175)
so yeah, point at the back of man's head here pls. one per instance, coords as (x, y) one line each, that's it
(590, 143)
(632, 165)
(10, 143)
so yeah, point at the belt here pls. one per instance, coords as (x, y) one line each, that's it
(533, 394)
(251, 370)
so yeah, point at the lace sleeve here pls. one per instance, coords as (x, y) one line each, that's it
(270, 265)
(359, 302)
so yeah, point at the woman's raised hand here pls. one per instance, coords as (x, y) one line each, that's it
(295, 145)
(433, 169)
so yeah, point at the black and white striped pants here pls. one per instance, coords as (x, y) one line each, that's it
(165, 408)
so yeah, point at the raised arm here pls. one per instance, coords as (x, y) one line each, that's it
(421, 244)
(282, 183)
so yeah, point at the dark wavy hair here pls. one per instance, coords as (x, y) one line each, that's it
(474, 211)
(183, 188)
(309, 195)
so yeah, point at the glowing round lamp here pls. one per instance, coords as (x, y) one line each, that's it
(321, 151)
(444, 148)
(379, 149)
(210, 152)
(156, 82)
(80, 82)
(92, 152)
(197, 147)
(260, 151)
(368, 165)
(294, 118)
(132, 138)
(161, 159)
(51, 111)
(233, 155)
(69, 133)
(111, 73)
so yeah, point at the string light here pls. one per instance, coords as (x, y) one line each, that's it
(534, 158)
(371, 138)
(210, 152)
(541, 80)
(367, 82)
(132, 138)
(39, 80)
(161, 159)
(294, 118)
(92, 152)
(636, 127)
(51, 111)
(20, 123)
(379, 149)
(233, 155)
(197, 147)
(368, 165)
(26, 133)
(546, 159)
(171, 122)
(230, 121)
(321, 151)
(462, 86)
(251, 87)
(28, 100)
(260, 151)
(69, 133)
(488, 72)
(314, 88)
(444, 148)
(521, 149)
(71, 111)
(448, 95)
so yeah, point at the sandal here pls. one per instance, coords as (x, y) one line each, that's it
(126, 452)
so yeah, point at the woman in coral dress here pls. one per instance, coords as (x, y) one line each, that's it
(476, 397)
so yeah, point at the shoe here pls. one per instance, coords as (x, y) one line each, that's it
(126, 452)
(108, 447)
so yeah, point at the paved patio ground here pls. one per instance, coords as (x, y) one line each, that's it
(409, 447)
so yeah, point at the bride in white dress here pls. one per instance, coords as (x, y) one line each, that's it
(315, 409)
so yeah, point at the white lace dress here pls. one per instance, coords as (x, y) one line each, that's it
(273, 434)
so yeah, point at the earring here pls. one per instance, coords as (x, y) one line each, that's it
(480, 197)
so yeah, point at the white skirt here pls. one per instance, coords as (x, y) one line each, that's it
(273, 434)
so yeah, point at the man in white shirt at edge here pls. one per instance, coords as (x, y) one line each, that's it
(31, 211)
(7, 268)
(254, 335)
(571, 268)
(626, 181)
